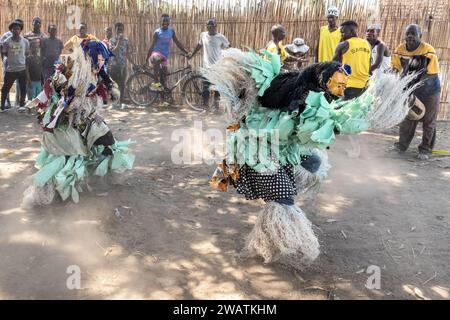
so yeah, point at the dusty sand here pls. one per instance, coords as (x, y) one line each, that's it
(177, 238)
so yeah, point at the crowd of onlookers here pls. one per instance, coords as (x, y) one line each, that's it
(27, 60)
(370, 57)
(31, 58)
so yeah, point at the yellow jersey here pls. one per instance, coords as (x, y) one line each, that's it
(328, 42)
(278, 49)
(358, 58)
(424, 49)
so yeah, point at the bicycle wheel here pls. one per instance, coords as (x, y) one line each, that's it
(192, 93)
(138, 88)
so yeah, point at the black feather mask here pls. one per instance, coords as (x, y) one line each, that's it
(288, 91)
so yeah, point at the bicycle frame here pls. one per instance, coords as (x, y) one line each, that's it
(186, 74)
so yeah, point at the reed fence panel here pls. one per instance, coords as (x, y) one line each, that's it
(246, 23)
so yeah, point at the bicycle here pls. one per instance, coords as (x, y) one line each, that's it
(142, 94)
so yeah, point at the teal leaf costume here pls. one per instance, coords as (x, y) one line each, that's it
(281, 123)
(76, 141)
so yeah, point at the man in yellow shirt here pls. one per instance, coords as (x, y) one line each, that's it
(329, 37)
(77, 39)
(355, 52)
(276, 44)
(417, 56)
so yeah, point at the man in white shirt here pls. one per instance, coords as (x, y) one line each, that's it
(381, 57)
(212, 43)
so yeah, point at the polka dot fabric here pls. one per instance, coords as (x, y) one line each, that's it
(254, 185)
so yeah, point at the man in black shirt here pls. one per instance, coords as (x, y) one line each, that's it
(50, 51)
(34, 73)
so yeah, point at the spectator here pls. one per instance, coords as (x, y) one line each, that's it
(35, 36)
(297, 49)
(77, 39)
(121, 47)
(354, 52)
(108, 36)
(381, 57)
(15, 48)
(212, 43)
(276, 44)
(34, 73)
(51, 49)
(159, 51)
(329, 36)
(416, 55)
(5, 36)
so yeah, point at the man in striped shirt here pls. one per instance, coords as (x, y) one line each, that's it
(417, 56)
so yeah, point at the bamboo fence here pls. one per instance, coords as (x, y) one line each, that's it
(246, 23)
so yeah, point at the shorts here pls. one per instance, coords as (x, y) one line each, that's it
(158, 57)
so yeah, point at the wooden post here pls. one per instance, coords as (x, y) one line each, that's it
(429, 25)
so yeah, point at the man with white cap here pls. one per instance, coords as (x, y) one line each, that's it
(329, 37)
(297, 49)
(381, 57)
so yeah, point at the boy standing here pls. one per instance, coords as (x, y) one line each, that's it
(34, 73)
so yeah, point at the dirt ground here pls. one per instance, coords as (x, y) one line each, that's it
(176, 238)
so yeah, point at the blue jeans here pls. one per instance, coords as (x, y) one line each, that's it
(33, 89)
